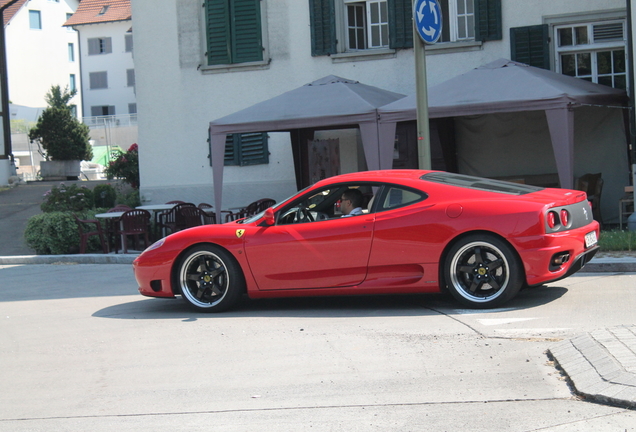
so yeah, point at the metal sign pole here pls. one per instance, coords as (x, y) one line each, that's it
(421, 93)
(427, 28)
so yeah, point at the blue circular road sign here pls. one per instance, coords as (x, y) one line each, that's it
(428, 20)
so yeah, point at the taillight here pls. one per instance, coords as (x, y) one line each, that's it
(552, 219)
(565, 217)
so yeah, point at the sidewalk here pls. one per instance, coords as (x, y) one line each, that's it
(601, 365)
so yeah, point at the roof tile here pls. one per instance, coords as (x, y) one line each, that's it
(100, 11)
(11, 10)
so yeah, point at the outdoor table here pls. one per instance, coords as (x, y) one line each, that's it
(110, 217)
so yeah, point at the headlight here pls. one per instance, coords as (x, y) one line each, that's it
(155, 245)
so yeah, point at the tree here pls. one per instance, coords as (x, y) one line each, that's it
(58, 133)
(56, 98)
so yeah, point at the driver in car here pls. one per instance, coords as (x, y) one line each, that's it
(351, 203)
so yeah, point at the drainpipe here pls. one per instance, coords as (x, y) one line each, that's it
(632, 115)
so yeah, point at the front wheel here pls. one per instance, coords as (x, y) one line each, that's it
(209, 279)
(482, 271)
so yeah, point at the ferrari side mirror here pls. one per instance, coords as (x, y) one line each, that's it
(269, 216)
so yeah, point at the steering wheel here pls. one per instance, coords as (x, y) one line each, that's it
(303, 215)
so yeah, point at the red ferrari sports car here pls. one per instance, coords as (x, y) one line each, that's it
(413, 232)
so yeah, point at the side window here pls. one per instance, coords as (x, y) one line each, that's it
(334, 202)
(357, 25)
(398, 197)
(97, 46)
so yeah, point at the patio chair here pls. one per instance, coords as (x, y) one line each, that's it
(188, 217)
(135, 223)
(111, 225)
(85, 234)
(592, 185)
(170, 219)
(259, 206)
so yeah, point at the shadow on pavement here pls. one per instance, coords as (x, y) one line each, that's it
(319, 307)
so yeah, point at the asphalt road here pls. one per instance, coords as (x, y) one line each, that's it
(82, 351)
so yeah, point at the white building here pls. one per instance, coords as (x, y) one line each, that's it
(106, 52)
(202, 63)
(41, 52)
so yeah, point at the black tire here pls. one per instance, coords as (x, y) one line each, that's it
(482, 271)
(209, 279)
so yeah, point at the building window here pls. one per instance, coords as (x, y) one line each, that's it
(132, 108)
(367, 24)
(71, 52)
(35, 20)
(593, 52)
(98, 80)
(72, 83)
(246, 149)
(128, 42)
(68, 17)
(73, 109)
(100, 46)
(130, 77)
(234, 31)
(458, 20)
(104, 110)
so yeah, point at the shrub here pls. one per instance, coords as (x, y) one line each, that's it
(125, 166)
(58, 133)
(617, 240)
(57, 233)
(67, 198)
(104, 196)
(127, 195)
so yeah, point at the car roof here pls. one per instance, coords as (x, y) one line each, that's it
(397, 175)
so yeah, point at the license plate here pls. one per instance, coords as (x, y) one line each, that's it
(590, 239)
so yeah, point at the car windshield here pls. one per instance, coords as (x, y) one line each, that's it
(480, 183)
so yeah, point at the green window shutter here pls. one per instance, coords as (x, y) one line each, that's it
(246, 149)
(488, 20)
(247, 41)
(322, 16)
(400, 24)
(254, 149)
(231, 151)
(217, 18)
(530, 45)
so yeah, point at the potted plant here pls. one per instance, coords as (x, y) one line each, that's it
(62, 139)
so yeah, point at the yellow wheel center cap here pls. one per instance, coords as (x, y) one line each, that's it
(481, 271)
(207, 278)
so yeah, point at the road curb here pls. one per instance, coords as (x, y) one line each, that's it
(69, 259)
(601, 365)
(610, 265)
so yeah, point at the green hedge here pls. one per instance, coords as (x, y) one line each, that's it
(57, 233)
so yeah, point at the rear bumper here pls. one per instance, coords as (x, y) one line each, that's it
(577, 264)
(538, 252)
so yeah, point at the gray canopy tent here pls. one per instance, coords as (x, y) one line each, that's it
(504, 86)
(328, 102)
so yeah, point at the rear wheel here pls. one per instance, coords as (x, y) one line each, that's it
(482, 271)
(210, 279)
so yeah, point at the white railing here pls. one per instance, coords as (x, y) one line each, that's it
(111, 120)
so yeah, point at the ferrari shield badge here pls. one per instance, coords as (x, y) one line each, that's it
(239, 233)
